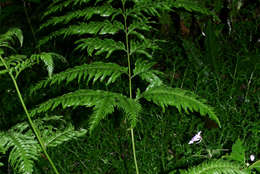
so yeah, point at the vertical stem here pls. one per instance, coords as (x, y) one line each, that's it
(36, 132)
(130, 82)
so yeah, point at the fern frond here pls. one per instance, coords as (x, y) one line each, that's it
(57, 137)
(18, 63)
(104, 11)
(180, 98)
(24, 150)
(96, 71)
(10, 37)
(57, 6)
(23, 146)
(216, 167)
(192, 6)
(144, 70)
(99, 45)
(103, 101)
(142, 47)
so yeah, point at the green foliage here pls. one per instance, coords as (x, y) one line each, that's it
(216, 167)
(103, 101)
(9, 38)
(144, 70)
(182, 99)
(23, 146)
(238, 152)
(222, 68)
(96, 71)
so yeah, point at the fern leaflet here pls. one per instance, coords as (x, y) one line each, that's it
(95, 71)
(182, 99)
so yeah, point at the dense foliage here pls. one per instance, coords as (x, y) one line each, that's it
(122, 86)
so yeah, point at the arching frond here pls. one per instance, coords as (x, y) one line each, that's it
(180, 98)
(86, 13)
(18, 63)
(144, 70)
(216, 167)
(99, 45)
(57, 6)
(103, 101)
(96, 71)
(10, 37)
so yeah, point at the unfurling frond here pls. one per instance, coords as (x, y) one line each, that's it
(103, 101)
(180, 98)
(144, 70)
(96, 71)
(216, 167)
(100, 46)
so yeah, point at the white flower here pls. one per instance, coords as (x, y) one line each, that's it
(197, 138)
(252, 157)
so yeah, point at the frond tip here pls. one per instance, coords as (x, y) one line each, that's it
(180, 98)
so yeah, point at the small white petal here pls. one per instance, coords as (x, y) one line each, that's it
(252, 157)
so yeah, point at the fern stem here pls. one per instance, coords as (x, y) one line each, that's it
(36, 132)
(130, 82)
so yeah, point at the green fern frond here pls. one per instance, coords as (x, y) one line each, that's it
(57, 6)
(57, 137)
(24, 150)
(101, 28)
(97, 98)
(142, 47)
(216, 167)
(180, 98)
(192, 6)
(10, 37)
(104, 11)
(144, 70)
(17, 63)
(100, 46)
(23, 146)
(96, 71)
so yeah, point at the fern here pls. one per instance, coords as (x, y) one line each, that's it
(146, 73)
(96, 71)
(24, 148)
(216, 167)
(103, 101)
(182, 99)
(100, 45)
(8, 39)
(96, 37)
